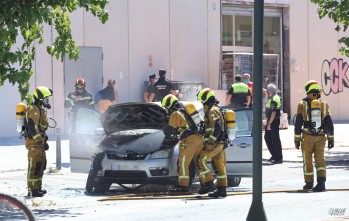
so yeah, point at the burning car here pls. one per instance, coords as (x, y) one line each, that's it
(132, 149)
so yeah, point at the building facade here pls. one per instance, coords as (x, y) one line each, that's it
(199, 41)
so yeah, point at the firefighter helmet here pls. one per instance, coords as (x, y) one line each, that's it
(205, 94)
(80, 83)
(312, 87)
(41, 93)
(169, 101)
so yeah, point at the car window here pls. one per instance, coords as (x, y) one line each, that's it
(86, 121)
(244, 122)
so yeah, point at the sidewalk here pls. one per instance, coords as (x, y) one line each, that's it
(338, 154)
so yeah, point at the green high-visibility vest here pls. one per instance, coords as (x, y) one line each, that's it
(240, 87)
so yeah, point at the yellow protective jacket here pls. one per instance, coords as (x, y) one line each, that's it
(36, 123)
(214, 124)
(177, 121)
(303, 124)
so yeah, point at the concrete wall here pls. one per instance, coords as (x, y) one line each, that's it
(183, 37)
(140, 37)
(313, 41)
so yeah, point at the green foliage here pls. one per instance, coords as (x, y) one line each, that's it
(25, 18)
(338, 11)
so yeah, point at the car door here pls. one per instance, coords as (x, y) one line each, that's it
(239, 153)
(86, 133)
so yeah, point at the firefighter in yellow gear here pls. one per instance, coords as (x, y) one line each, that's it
(313, 127)
(213, 147)
(36, 140)
(190, 142)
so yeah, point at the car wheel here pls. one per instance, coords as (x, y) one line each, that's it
(93, 172)
(234, 181)
(101, 186)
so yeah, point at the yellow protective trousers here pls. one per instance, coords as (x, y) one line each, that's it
(36, 164)
(313, 145)
(218, 159)
(189, 148)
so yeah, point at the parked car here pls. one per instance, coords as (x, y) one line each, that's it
(134, 150)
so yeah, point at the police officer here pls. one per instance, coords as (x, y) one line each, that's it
(311, 128)
(213, 147)
(239, 94)
(80, 97)
(190, 142)
(36, 140)
(152, 80)
(272, 135)
(162, 87)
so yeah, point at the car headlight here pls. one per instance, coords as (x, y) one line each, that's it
(161, 154)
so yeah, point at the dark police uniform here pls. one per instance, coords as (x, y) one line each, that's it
(239, 93)
(272, 137)
(162, 88)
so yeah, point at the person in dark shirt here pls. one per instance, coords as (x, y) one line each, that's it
(239, 94)
(107, 96)
(162, 87)
(152, 80)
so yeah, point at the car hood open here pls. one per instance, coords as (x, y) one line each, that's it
(129, 116)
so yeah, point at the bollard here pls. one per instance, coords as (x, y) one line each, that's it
(58, 149)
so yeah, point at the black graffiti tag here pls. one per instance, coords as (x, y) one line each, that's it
(333, 76)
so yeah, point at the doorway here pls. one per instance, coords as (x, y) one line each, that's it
(89, 66)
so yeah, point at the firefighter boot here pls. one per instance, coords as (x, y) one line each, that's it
(320, 186)
(180, 189)
(207, 187)
(43, 191)
(220, 192)
(308, 186)
(35, 193)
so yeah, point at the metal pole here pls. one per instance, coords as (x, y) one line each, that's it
(58, 149)
(257, 210)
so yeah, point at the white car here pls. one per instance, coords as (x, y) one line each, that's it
(134, 150)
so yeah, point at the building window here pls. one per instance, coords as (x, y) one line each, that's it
(243, 31)
(237, 46)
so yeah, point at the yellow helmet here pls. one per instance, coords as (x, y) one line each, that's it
(169, 100)
(312, 87)
(41, 93)
(205, 94)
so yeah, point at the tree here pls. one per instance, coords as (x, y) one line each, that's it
(26, 18)
(336, 10)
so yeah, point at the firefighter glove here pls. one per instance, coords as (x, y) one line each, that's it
(297, 144)
(330, 144)
(46, 146)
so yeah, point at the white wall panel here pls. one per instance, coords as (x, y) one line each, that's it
(148, 39)
(188, 40)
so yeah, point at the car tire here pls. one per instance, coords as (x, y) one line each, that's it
(234, 181)
(90, 183)
(101, 186)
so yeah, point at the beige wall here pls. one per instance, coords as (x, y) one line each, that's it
(183, 37)
(313, 41)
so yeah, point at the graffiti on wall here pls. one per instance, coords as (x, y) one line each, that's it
(333, 76)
